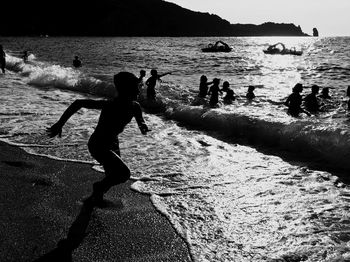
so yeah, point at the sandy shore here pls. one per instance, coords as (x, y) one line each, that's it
(42, 217)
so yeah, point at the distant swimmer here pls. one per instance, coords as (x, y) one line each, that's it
(204, 86)
(76, 62)
(103, 143)
(230, 95)
(2, 59)
(214, 92)
(151, 83)
(311, 103)
(250, 94)
(294, 101)
(325, 93)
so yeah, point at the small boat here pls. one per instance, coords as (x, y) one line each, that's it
(280, 49)
(219, 46)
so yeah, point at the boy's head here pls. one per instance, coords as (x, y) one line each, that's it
(127, 85)
(298, 88)
(225, 85)
(203, 79)
(251, 88)
(216, 81)
(142, 73)
(154, 72)
(315, 89)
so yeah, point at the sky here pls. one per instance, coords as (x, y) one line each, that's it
(330, 17)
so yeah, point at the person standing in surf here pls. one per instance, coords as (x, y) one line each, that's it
(348, 94)
(103, 143)
(2, 59)
(250, 93)
(151, 83)
(311, 103)
(142, 75)
(230, 94)
(214, 92)
(76, 62)
(294, 101)
(25, 56)
(203, 86)
(140, 79)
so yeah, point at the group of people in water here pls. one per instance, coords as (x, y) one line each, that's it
(151, 82)
(295, 102)
(212, 89)
(310, 104)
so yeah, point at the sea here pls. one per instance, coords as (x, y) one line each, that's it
(240, 182)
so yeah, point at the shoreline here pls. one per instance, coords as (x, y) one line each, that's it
(43, 218)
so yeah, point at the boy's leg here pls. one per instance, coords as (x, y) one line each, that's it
(116, 172)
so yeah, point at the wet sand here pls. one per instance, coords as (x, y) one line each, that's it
(42, 216)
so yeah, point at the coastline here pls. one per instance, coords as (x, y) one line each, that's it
(43, 218)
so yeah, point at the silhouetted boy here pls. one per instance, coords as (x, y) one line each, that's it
(294, 101)
(230, 95)
(25, 56)
(103, 143)
(310, 101)
(325, 93)
(142, 75)
(348, 94)
(203, 86)
(214, 92)
(151, 83)
(250, 94)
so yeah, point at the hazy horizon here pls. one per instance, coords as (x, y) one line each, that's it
(329, 18)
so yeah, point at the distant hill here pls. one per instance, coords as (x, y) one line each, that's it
(124, 18)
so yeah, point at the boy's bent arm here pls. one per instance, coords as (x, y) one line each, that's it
(78, 104)
(56, 129)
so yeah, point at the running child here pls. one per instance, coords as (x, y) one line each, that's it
(103, 143)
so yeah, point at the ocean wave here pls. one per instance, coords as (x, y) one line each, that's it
(42, 74)
(326, 142)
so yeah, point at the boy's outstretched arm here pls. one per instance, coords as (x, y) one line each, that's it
(286, 103)
(139, 119)
(56, 129)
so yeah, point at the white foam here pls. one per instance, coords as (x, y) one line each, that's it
(43, 74)
(26, 147)
(313, 135)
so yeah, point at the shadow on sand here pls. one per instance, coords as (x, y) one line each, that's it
(76, 234)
